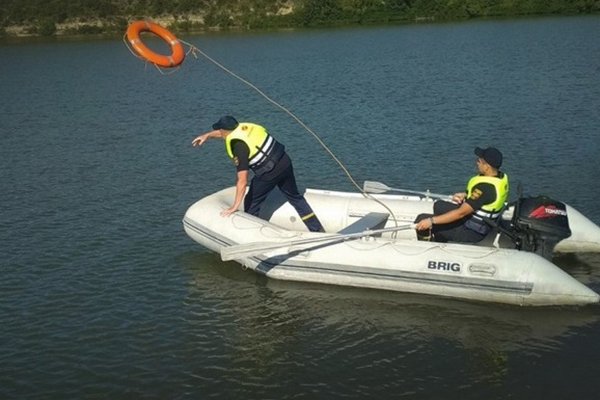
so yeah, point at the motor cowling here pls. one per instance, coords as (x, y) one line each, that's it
(540, 223)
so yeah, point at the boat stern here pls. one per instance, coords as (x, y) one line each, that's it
(585, 234)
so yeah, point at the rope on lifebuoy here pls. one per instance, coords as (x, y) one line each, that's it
(177, 56)
(138, 48)
(194, 50)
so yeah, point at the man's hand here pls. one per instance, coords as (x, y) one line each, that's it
(459, 198)
(199, 140)
(424, 224)
(228, 212)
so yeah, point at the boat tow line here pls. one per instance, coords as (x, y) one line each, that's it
(133, 42)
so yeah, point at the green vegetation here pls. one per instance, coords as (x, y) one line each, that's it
(50, 17)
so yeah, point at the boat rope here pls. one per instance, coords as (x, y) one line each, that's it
(195, 51)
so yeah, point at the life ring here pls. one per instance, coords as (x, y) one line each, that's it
(133, 36)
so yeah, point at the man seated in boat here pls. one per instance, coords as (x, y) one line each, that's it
(252, 148)
(463, 219)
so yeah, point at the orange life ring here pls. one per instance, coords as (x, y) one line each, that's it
(177, 52)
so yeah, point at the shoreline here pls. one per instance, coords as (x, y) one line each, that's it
(193, 25)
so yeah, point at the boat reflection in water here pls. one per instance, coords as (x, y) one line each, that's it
(268, 323)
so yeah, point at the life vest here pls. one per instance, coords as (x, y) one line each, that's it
(265, 151)
(490, 210)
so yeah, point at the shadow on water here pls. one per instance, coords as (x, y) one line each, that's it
(585, 267)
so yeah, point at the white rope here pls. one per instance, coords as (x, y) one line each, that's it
(270, 100)
(194, 50)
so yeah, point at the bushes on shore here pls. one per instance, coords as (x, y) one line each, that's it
(47, 18)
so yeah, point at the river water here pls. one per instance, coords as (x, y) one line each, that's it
(102, 295)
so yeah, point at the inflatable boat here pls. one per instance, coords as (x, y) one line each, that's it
(370, 242)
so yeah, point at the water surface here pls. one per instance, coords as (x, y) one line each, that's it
(104, 296)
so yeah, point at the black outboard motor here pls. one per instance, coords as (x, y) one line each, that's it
(539, 223)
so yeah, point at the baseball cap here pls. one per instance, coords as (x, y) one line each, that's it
(227, 122)
(491, 155)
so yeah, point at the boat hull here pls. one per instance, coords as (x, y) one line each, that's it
(393, 262)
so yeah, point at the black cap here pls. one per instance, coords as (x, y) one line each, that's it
(227, 122)
(491, 155)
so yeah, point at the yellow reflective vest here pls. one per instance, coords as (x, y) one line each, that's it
(491, 210)
(255, 137)
(265, 151)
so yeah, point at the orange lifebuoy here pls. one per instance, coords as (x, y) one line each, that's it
(177, 52)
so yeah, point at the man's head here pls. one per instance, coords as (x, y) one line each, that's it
(491, 156)
(226, 123)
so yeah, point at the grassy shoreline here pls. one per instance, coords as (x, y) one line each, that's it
(194, 25)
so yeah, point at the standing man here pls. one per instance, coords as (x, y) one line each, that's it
(251, 147)
(462, 219)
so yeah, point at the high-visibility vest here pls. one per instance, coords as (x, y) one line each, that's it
(490, 210)
(265, 151)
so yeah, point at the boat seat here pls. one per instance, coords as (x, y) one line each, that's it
(373, 220)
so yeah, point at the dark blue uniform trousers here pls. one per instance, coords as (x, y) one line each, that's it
(453, 232)
(286, 182)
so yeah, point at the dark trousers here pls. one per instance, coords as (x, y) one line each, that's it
(286, 182)
(453, 232)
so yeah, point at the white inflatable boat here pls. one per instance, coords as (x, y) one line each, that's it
(369, 245)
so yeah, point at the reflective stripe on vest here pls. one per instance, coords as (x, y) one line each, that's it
(491, 210)
(259, 142)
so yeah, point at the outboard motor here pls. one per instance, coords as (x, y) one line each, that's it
(539, 223)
